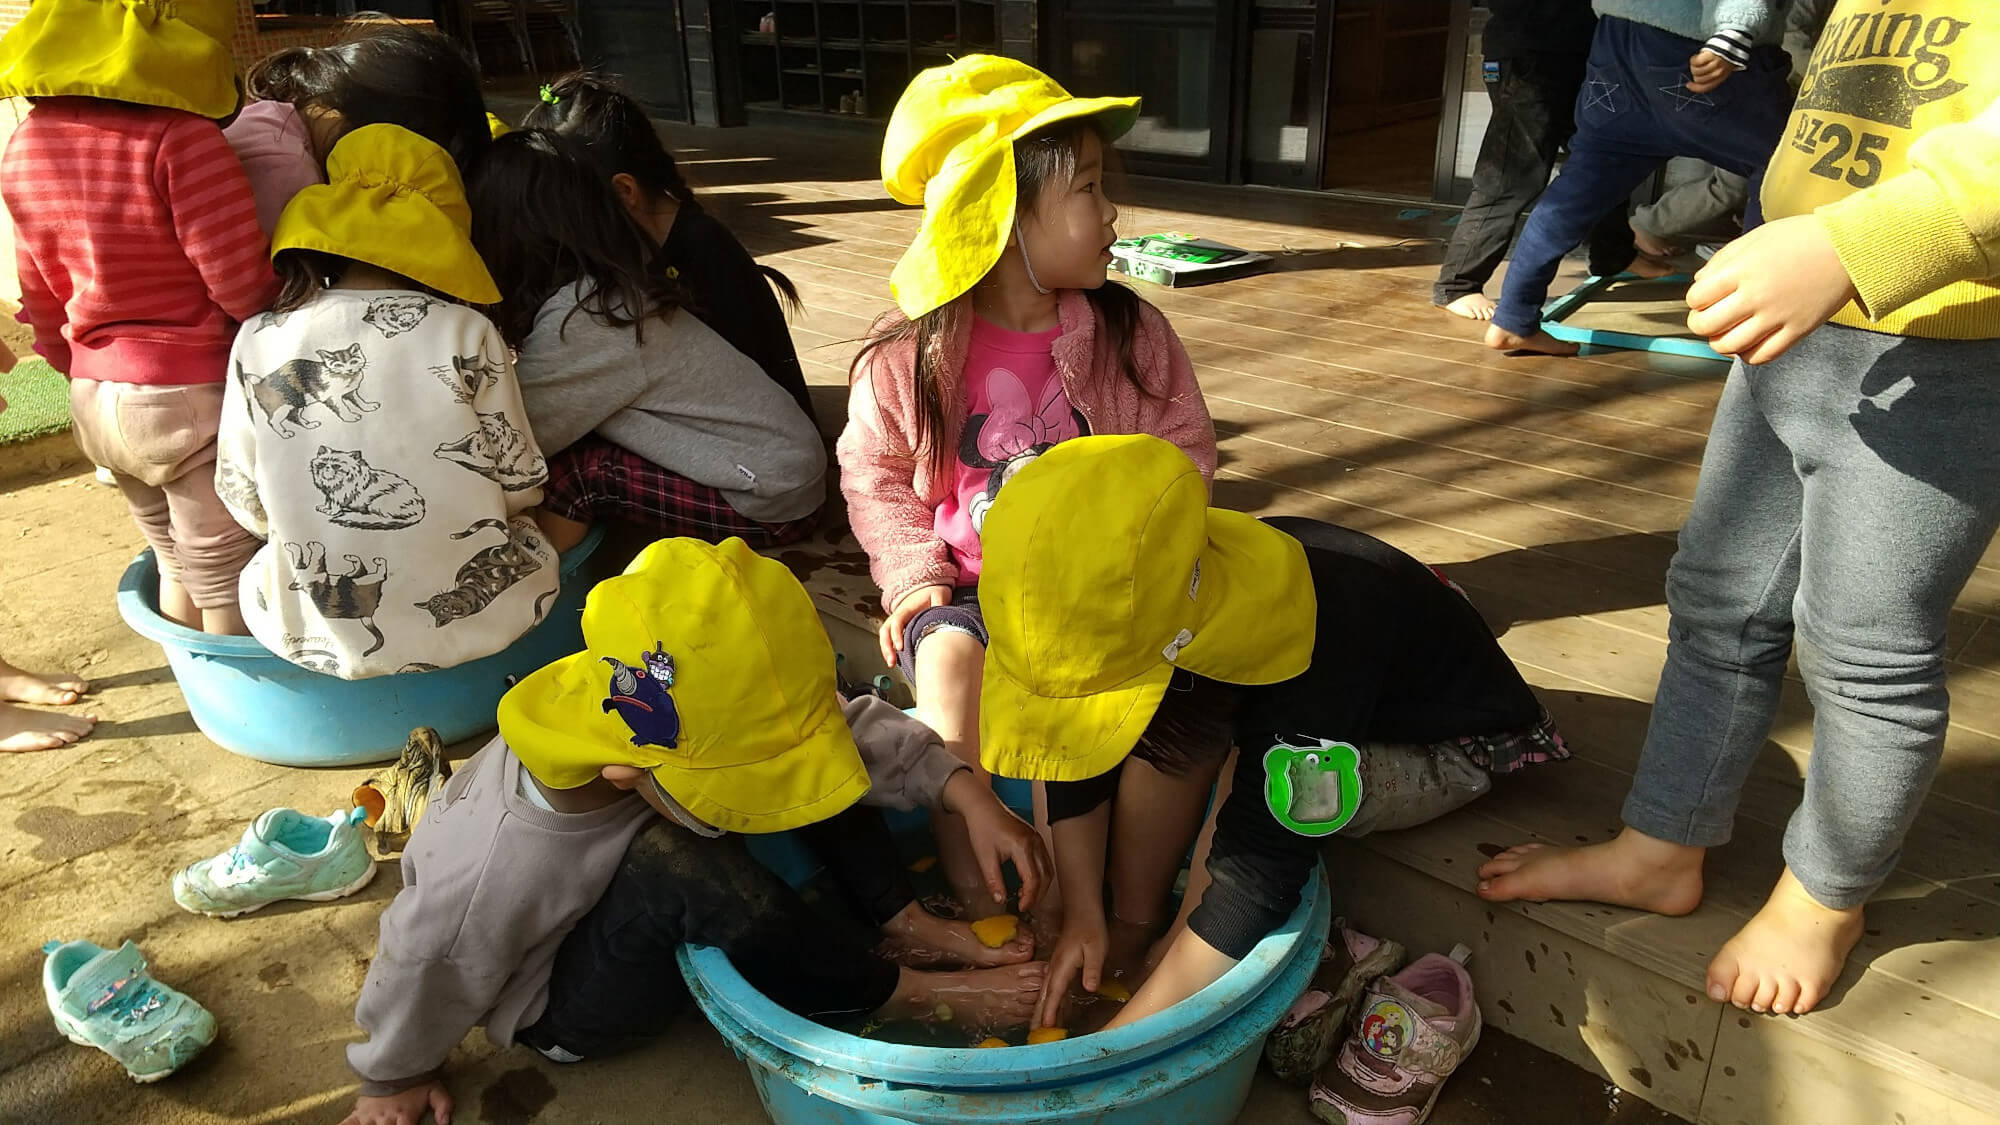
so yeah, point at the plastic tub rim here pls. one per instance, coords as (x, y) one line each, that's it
(1092, 1056)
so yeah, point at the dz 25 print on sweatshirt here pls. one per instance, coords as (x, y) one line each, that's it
(393, 316)
(491, 572)
(359, 495)
(333, 381)
(498, 452)
(1013, 433)
(353, 596)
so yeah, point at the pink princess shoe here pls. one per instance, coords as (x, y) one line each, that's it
(1306, 1034)
(1412, 1031)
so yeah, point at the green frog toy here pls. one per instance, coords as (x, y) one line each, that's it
(1314, 790)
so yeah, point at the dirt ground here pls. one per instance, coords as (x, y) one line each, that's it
(89, 837)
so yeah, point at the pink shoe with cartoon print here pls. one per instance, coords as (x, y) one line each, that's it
(1308, 1032)
(1411, 1031)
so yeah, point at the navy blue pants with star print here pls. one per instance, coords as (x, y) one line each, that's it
(1634, 113)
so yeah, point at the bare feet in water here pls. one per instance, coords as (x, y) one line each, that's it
(975, 999)
(918, 937)
(1541, 343)
(1472, 306)
(23, 730)
(1788, 955)
(1632, 869)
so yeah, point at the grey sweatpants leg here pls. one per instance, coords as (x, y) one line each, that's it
(1846, 494)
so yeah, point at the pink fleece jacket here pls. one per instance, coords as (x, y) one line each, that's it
(892, 495)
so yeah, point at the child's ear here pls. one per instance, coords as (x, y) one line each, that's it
(630, 192)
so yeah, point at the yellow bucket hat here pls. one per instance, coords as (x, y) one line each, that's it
(950, 147)
(1105, 569)
(394, 200)
(168, 53)
(707, 665)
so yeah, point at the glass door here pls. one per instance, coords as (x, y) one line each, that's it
(1285, 92)
(1173, 53)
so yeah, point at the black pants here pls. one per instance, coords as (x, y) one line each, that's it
(615, 984)
(1534, 108)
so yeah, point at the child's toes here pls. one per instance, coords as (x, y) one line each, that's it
(1767, 992)
(1723, 977)
(1787, 998)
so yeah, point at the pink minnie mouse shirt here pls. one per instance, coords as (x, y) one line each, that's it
(1015, 411)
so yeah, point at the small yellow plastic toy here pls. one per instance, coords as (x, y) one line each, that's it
(1047, 1035)
(1113, 990)
(996, 931)
(924, 864)
(991, 1041)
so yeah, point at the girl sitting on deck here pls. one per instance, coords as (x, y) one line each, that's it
(1008, 341)
(648, 415)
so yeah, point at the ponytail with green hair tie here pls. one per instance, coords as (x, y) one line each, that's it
(549, 95)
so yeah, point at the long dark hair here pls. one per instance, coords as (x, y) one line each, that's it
(302, 274)
(404, 76)
(614, 128)
(1042, 159)
(543, 219)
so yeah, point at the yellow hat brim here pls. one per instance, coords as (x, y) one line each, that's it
(368, 215)
(821, 777)
(969, 210)
(1043, 738)
(94, 49)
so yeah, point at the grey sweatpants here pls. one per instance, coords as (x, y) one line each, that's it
(1846, 494)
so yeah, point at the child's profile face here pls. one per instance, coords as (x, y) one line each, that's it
(1067, 236)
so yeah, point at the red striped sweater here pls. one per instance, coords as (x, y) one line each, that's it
(137, 240)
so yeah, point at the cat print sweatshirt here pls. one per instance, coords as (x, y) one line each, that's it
(375, 440)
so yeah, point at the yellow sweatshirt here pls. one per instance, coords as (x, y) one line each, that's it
(1895, 145)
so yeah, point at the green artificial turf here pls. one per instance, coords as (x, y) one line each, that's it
(37, 402)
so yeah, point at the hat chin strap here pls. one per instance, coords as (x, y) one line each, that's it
(1030, 267)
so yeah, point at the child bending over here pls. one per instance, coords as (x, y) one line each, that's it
(648, 416)
(138, 250)
(726, 288)
(373, 432)
(546, 897)
(418, 79)
(1008, 342)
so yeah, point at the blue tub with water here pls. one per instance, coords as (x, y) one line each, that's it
(1189, 1065)
(262, 706)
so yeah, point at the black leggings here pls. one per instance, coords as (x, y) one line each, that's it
(615, 984)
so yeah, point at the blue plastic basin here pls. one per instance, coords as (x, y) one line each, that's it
(1189, 1065)
(262, 706)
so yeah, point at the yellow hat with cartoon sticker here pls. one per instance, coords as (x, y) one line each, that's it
(707, 665)
(168, 53)
(950, 147)
(1105, 569)
(392, 199)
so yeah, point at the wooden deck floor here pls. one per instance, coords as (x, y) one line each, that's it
(1551, 490)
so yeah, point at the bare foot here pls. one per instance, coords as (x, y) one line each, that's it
(917, 937)
(1541, 342)
(49, 691)
(975, 999)
(1786, 957)
(1472, 306)
(1648, 266)
(1647, 244)
(1632, 869)
(23, 730)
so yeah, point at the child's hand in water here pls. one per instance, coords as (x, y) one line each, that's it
(1080, 951)
(1706, 71)
(404, 1107)
(913, 603)
(998, 836)
(1767, 290)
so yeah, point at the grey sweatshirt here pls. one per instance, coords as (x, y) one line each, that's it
(492, 884)
(682, 399)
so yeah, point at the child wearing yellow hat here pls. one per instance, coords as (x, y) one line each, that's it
(1138, 635)
(139, 249)
(546, 897)
(371, 417)
(1008, 340)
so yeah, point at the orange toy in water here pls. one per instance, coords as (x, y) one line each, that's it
(1112, 990)
(1047, 1035)
(990, 1041)
(996, 931)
